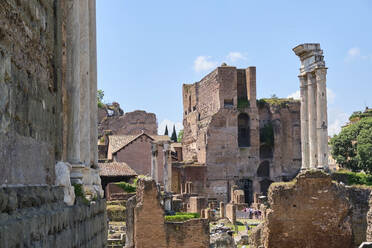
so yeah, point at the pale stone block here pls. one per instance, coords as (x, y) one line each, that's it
(63, 179)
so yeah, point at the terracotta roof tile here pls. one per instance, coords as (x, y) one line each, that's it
(116, 169)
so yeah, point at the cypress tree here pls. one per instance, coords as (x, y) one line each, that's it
(166, 130)
(174, 134)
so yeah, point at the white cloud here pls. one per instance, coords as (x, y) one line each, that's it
(203, 63)
(353, 52)
(330, 95)
(235, 56)
(336, 119)
(169, 123)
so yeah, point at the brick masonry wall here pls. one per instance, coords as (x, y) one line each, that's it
(36, 216)
(30, 90)
(138, 156)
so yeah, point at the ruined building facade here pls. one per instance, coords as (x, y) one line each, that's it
(239, 140)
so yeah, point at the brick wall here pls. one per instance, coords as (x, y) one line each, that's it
(138, 156)
(36, 216)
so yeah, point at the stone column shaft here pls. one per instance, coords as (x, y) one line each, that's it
(304, 123)
(73, 81)
(93, 83)
(167, 186)
(312, 120)
(154, 162)
(322, 122)
(84, 83)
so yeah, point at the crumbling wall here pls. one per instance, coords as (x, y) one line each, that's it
(30, 90)
(146, 227)
(130, 123)
(314, 211)
(47, 221)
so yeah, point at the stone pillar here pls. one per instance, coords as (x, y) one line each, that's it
(312, 120)
(154, 162)
(93, 84)
(85, 130)
(304, 124)
(222, 209)
(73, 81)
(322, 122)
(251, 85)
(166, 176)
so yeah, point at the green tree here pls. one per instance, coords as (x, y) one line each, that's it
(100, 95)
(166, 130)
(352, 147)
(174, 134)
(180, 136)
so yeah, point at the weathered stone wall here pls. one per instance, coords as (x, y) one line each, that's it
(189, 234)
(130, 123)
(314, 211)
(36, 216)
(30, 90)
(138, 156)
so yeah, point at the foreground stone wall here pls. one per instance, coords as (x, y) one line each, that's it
(30, 91)
(314, 211)
(36, 216)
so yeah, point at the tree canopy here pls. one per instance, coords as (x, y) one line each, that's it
(174, 134)
(352, 147)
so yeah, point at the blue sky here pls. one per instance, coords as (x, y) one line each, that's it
(148, 49)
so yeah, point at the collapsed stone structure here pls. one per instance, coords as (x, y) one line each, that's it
(48, 124)
(236, 139)
(313, 90)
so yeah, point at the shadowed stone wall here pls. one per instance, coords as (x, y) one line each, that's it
(36, 216)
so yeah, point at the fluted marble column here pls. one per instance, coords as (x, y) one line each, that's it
(93, 84)
(73, 81)
(154, 162)
(304, 123)
(322, 122)
(312, 120)
(85, 130)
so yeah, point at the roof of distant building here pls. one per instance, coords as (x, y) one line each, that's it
(116, 169)
(117, 142)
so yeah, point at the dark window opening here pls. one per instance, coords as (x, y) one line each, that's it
(246, 186)
(264, 185)
(264, 169)
(193, 108)
(228, 103)
(189, 104)
(244, 139)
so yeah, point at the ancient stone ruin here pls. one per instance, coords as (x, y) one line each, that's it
(50, 193)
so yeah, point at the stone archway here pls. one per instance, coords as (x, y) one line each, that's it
(264, 169)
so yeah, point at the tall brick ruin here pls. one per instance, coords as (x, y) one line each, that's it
(222, 125)
(48, 125)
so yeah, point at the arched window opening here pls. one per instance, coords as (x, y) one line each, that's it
(244, 135)
(264, 169)
(264, 185)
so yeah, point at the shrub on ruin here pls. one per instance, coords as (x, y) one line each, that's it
(127, 187)
(352, 147)
(181, 216)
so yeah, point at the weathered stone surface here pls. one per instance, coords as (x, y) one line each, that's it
(63, 179)
(36, 216)
(313, 211)
(222, 240)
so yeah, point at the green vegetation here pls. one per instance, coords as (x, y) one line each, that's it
(181, 216)
(116, 212)
(79, 193)
(174, 134)
(100, 95)
(166, 130)
(352, 147)
(127, 187)
(274, 101)
(267, 135)
(355, 178)
(180, 136)
(357, 115)
(243, 103)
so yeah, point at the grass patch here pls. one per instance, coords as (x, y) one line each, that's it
(127, 187)
(116, 212)
(181, 216)
(274, 101)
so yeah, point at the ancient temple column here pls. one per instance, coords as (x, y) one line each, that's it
(311, 104)
(84, 84)
(93, 84)
(154, 162)
(73, 81)
(322, 122)
(166, 151)
(304, 123)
